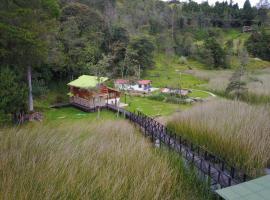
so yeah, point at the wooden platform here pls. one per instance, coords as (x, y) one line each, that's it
(87, 109)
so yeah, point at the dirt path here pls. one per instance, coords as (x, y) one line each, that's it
(210, 93)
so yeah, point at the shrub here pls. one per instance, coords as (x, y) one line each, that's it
(183, 60)
(177, 99)
(157, 97)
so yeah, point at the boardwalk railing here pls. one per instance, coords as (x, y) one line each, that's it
(216, 169)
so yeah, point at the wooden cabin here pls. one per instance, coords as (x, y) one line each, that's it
(90, 92)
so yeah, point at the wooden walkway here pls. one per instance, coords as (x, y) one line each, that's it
(210, 166)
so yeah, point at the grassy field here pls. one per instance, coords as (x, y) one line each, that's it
(152, 107)
(257, 81)
(168, 73)
(236, 131)
(71, 114)
(84, 160)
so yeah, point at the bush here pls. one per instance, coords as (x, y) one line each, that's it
(183, 60)
(175, 100)
(157, 97)
(39, 88)
(258, 45)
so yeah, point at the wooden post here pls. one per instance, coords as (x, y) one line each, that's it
(209, 170)
(244, 177)
(232, 172)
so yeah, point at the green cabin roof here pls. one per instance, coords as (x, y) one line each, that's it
(87, 82)
(257, 189)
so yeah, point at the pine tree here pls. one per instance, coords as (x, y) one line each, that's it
(237, 86)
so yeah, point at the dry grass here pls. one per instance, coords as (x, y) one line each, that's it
(258, 83)
(238, 132)
(86, 161)
(217, 79)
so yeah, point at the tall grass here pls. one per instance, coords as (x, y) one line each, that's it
(83, 160)
(236, 131)
(258, 83)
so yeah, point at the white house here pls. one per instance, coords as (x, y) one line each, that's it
(139, 86)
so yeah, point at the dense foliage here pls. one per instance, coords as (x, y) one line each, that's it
(49, 39)
(12, 95)
(259, 45)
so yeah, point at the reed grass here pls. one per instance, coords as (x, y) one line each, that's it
(257, 83)
(236, 131)
(85, 160)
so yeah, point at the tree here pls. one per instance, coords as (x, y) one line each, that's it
(217, 52)
(237, 86)
(24, 29)
(142, 49)
(247, 13)
(258, 44)
(13, 93)
(82, 36)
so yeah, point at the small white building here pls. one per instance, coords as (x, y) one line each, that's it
(122, 84)
(139, 86)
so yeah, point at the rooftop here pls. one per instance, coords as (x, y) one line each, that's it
(122, 81)
(257, 189)
(86, 81)
(144, 82)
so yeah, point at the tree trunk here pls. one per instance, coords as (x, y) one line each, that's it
(30, 94)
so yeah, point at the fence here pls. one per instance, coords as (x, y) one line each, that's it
(216, 169)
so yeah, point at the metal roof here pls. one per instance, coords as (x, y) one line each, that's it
(87, 82)
(257, 189)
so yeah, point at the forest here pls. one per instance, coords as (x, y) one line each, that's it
(196, 123)
(47, 40)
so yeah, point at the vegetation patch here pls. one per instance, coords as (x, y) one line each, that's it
(168, 72)
(152, 107)
(237, 132)
(89, 161)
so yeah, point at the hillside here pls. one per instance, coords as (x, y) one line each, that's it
(193, 78)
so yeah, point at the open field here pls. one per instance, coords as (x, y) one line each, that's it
(258, 82)
(167, 73)
(152, 107)
(83, 160)
(236, 131)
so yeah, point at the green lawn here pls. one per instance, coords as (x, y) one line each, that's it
(200, 94)
(70, 113)
(152, 107)
(253, 63)
(168, 73)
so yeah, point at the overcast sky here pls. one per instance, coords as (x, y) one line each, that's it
(240, 2)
